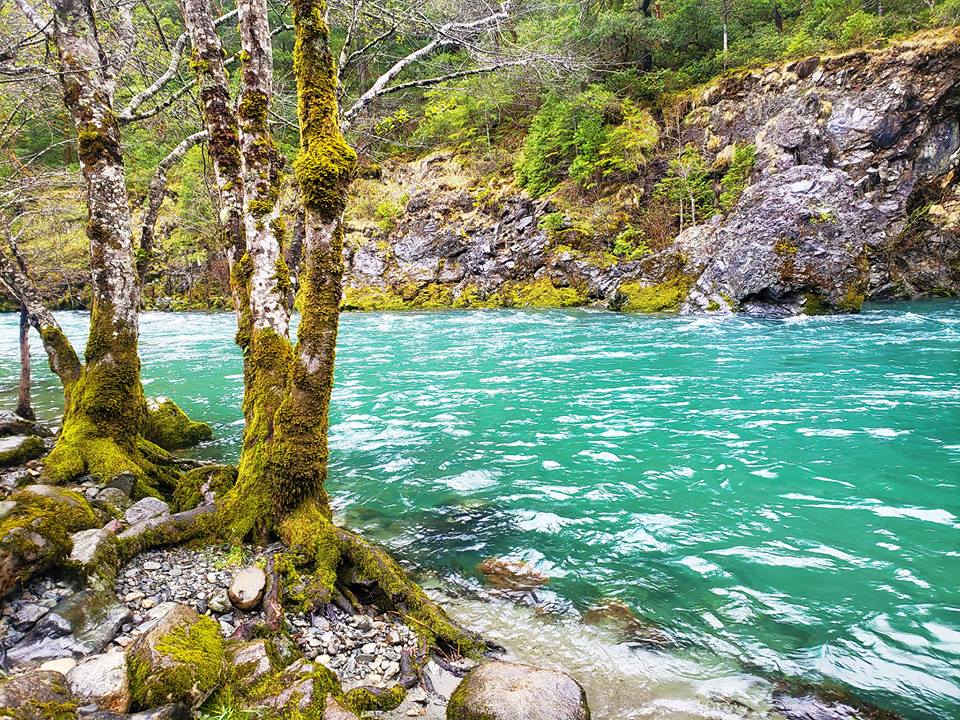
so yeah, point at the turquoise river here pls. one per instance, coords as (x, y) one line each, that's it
(776, 497)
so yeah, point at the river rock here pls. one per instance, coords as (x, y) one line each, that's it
(79, 625)
(61, 665)
(146, 509)
(509, 691)
(102, 680)
(180, 659)
(299, 682)
(91, 547)
(30, 696)
(113, 500)
(18, 449)
(246, 590)
(172, 711)
(251, 660)
(507, 574)
(13, 424)
(123, 482)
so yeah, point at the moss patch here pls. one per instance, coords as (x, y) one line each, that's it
(31, 448)
(192, 664)
(169, 427)
(662, 297)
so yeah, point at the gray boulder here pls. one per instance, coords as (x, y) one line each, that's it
(102, 680)
(509, 691)
(146, 509)
(13, 424)
(79, 625)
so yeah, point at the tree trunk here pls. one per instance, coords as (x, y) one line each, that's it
(24, 406)
(223, 142)
(104, 403)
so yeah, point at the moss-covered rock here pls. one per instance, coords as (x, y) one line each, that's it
(35, 534)
(38, 695)
(504, 691)
(661, 297)
(18, 449)
(203, 485)
(170, 427)
(180, 659)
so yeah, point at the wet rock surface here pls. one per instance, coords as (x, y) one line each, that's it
(507, 691)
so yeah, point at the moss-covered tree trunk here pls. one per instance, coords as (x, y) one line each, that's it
(283, 464)
(104, 403)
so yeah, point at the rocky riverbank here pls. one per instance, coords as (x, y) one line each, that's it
(178, 632)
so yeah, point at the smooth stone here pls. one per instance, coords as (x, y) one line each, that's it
(506, 691)
(81, 624)
(246, 590)
(13, 424)
(87, 544)
(18, 449)
(146, 509)
(102, 680)
(335, 711)
(61, 665)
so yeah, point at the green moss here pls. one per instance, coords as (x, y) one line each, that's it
(253, 109)
(36, 533)
(31, 448)
(281, 276)
(194, 662)
(662, 297)
(218, 479)
(169, 427)
(813, 304)
(361, 700)
(542, 293)
(851, 301)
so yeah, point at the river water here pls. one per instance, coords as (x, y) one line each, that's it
(782, 496)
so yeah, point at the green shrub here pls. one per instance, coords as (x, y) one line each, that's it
(737, 177)
(630, 244)
(687, 186)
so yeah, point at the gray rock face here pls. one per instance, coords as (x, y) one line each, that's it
(101, 680)
(796, 239)
(88, 544)
(79, 625)
(246, 590)
(252, 661)
(509, 691)
(146, 509)
(854, 196)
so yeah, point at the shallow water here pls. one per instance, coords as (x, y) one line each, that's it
(781, 494)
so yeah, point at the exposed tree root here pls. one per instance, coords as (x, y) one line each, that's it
(334, 558)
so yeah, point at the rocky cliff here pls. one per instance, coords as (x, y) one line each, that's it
(853, 195)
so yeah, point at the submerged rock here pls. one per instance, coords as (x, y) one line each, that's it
(508, 691)
(621, 618)
(246, 590)
(506, 574)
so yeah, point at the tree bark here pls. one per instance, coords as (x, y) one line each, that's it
(105, 405)
(223, 142)
(24, 406)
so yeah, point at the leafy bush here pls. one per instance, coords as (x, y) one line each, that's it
(587, 137)
(630, 244)
(737, 177)
(687, 186)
